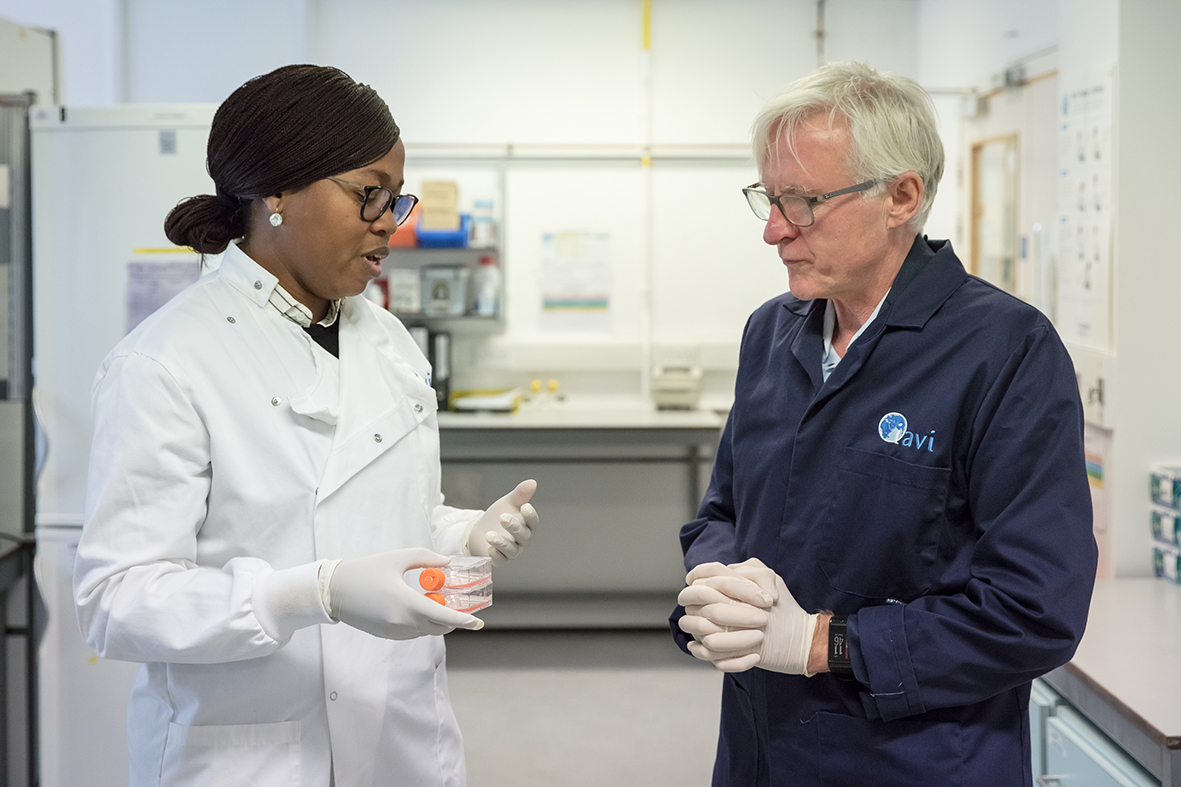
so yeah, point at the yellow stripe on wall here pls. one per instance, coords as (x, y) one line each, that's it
(647, 12)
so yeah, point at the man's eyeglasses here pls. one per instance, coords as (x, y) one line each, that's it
(377, 199)
(795, 208)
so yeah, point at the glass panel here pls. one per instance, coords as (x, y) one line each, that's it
(994, 211)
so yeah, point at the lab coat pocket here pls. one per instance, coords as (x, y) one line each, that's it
(864, 751)
(261, 755)
(881, 534)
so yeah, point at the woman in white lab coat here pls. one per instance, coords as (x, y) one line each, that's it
(265, 467)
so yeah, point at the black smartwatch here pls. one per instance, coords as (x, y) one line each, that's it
(838, 646)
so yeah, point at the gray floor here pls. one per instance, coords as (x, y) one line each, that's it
(593, 708)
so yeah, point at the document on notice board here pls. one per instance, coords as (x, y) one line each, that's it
(151, 284)
(1085, 216)
(576, 281)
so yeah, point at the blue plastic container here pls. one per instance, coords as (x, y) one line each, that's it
(446, 239)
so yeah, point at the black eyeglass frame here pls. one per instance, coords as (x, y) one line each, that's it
(393, 200)
(811, 202)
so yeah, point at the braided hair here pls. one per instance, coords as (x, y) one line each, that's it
(280, 132)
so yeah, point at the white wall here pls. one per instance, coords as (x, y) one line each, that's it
(1147, 291)
(965, 43)
(90, 35)
(27, 61)
(688, 264)
(179, 50)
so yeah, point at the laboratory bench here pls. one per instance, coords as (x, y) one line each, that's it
(1125, 677)
(616, 481)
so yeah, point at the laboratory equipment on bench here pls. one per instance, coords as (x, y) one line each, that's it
(676, 387)
(465, 584)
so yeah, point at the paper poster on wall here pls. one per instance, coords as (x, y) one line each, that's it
(1098, 452)
(1084, 207)
(152, 283)
(576, 281)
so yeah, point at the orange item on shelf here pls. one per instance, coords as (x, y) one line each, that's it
(407, 234)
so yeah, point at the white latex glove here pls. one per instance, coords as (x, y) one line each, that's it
(720, 600)
(786, 637)
(502, 531)
(369, 593)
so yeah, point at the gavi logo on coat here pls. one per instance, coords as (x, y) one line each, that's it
(893, 429)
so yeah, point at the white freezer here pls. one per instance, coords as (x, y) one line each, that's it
(83, 699)
(103, 180)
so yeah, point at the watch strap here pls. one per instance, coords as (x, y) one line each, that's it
(839, 662)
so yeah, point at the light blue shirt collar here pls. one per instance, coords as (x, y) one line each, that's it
(830, 359)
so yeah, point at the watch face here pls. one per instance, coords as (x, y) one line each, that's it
(838, 646)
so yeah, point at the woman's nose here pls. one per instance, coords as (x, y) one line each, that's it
(385, 224)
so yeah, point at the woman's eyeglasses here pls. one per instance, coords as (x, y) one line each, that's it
(378, 199)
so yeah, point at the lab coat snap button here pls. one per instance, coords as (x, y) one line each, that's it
(276, 401)
(377, 438)
(418, 408)
(332, 696)
(230, 319)
(258, 285)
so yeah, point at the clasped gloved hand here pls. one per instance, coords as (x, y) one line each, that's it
(502, 531)
(369, 593)
(743, 615)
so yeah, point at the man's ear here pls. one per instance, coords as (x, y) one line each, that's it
(905, 194)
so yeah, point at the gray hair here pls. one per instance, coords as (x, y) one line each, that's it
(891, 122)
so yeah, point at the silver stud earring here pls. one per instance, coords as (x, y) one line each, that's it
(276, 219)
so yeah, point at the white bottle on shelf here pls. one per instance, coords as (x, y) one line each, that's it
(488, 283)
(483, 227)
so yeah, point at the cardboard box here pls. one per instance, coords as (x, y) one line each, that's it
(1166, 525)
(1166, 563)
(1165, 486)
(440, 205)
(444, 290)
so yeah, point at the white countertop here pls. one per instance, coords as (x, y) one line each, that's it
(1132, 649)
(595, 414)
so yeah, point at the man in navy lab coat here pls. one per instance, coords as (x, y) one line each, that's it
(897, 536)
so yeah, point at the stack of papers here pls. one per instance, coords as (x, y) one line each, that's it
(504, 400)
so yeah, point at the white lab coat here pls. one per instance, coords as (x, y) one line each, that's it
(227, 446)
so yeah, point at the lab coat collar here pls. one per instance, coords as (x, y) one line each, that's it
(934, 270)
(247, 276)
(928, 277)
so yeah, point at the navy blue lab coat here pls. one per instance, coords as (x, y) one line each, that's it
(934, 490)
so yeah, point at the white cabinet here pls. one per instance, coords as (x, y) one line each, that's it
(1043, 701)
(1078, 754)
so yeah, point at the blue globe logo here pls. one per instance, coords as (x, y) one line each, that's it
(892, 427)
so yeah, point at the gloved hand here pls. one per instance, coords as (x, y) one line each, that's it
(502, 531)
(729, 632)
(370, 594)
(719, 600)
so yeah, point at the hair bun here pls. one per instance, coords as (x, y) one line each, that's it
(206, 223)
